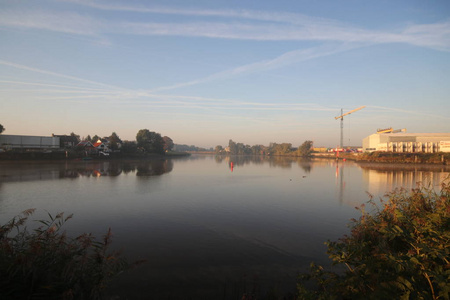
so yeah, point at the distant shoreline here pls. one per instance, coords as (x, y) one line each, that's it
(71, 156)
(374, 157)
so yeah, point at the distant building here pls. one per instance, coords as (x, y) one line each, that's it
(407, 142)
(320, 149)
(28, 142)
(85, 145)
(67, 141)
(101, 146)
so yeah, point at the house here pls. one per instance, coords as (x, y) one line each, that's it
(101, 146)
(85, 145)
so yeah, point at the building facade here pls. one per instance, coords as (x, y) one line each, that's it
(402, 142)
(28, 142)
(67, 141)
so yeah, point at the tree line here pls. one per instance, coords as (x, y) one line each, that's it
(146, 141)
(274, 149)
(192, 148)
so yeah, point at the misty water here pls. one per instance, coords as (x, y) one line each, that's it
(208, 227)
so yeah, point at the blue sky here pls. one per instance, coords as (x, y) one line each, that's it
(204, 72)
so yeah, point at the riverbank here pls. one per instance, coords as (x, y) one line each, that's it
(390, 157)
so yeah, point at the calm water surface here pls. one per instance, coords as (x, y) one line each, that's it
(209, 228)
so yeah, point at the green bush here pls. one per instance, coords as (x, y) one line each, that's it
(401, 250)
(46, 264)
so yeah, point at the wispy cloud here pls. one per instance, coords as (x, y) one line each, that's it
(281, 17)
(434, 36)
(280, 61)
(27, 68)
(409, 112)
(146, 102)
(233, 24)
(275, 26)
(59, 21)
(126, 97)
(14, 82)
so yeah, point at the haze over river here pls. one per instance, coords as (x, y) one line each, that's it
(209, 227)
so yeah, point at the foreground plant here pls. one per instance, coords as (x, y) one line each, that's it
(399, 251)
(46, 264)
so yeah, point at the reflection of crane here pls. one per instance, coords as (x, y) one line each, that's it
(342, 123)
(340, 175)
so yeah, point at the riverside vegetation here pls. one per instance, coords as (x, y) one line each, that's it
(411, 158)
(400, 250)
(47, 264)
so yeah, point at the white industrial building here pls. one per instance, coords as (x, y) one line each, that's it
(27, 142)
(407, 142)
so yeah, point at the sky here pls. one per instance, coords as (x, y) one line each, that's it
(203, 72)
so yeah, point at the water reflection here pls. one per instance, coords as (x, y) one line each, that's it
(154, 168)
(16, 172)
(381, 178)
(234, 161)
(340, 181)
(203, 228)
(376, 179)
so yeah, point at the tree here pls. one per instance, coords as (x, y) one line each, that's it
(257, 149)
(114, 141)
(88, 138)
(168, 143)
(232, 146)
(129, 147)
(94, 139)
(1, 128)
(306, 148)
(75, 135)
(284, 148)
(150, 141)
(280, 149)
(218, 149)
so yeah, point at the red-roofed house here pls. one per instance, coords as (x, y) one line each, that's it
(100, 146)
(85, 144)
(87, 147)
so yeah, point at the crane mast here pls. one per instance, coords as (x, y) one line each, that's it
(341, 145)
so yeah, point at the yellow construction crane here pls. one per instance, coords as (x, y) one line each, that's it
(391, 130)
(385, 130)
(342, 122)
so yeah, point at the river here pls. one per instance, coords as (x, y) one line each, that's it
(208, 227)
